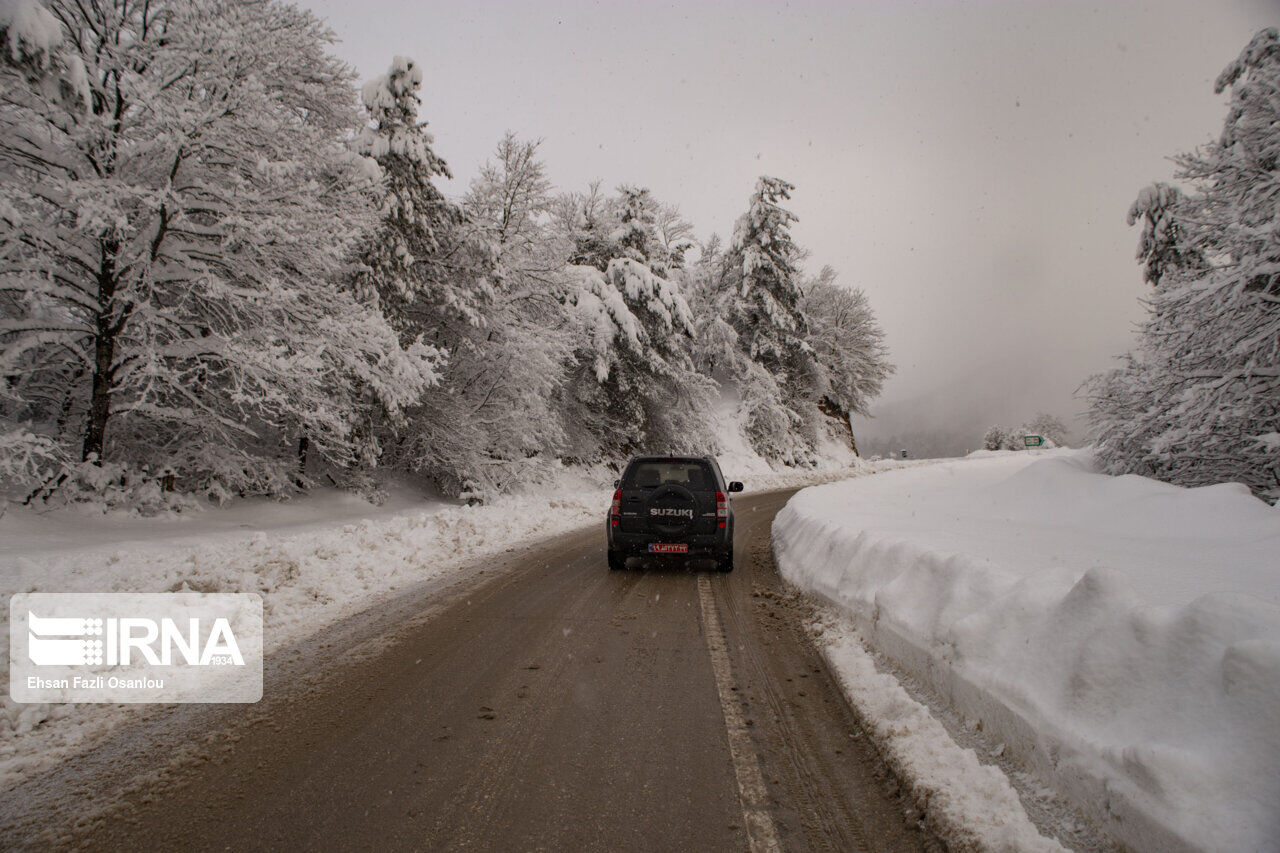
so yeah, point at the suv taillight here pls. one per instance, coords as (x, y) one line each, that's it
(722, 508)
(616, 509)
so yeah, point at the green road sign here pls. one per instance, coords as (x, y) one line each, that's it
(1032, 440)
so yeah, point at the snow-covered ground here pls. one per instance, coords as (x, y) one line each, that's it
(314, 560)
(1119, 637)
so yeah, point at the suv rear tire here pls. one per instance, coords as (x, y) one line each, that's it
(725, 563)
(617, 562)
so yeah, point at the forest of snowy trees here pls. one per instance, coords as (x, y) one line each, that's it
(226, 269)
(1199, 401)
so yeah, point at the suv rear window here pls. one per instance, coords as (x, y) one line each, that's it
(651, 475)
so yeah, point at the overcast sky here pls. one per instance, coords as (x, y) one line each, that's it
(968, 165)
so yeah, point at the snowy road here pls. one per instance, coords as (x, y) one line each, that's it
(540, 702)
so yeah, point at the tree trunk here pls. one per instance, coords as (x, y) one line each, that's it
(304, 445)
(68, 403)
(840, 416)
(106, 326)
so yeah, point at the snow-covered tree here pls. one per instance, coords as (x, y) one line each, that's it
(848, 346)
(764, 273)
(590, 222)
(630, 310)
(1004, 438)
(634, 385)
(637, 231)
(432, 272)
(510, 203)
(652, 233)
(996, 438)
(418, 264)
(1200, 401)
(177, 205)
(716, 351)
(1162, 247)
(632, 224)
(27, 460)
(769, 422)
(1122, 431)
(674, 234)
(508, 377)
(759, 295)
(1049, 427)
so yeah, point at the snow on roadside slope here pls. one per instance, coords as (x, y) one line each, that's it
(309, 572)
(1120, 636)
(315, 560)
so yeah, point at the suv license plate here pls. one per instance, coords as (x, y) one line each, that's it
(668, 548)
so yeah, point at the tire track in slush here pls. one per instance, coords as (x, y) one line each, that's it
(475, 797)
(752, 793)
(826, 820)
(828, 788)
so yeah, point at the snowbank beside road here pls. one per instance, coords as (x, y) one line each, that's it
(312, 565)
(1121, 636)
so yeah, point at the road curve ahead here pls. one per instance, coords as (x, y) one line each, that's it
(549, 705)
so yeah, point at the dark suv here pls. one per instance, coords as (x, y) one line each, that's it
(668, 506)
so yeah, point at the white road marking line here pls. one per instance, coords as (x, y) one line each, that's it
(752, 794)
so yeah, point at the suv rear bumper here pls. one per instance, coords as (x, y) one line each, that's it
(700, 544)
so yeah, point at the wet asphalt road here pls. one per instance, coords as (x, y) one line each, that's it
(541, 703)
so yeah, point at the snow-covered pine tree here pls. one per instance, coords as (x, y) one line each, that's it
(418, 263)
(631, 224)
(637, 232)
(1200, 402)
(430, 272)
(177, 204)
(649, 232)
(1162, 247)
(590, 222)
(633, 386)
(764, 270)
(762, 284)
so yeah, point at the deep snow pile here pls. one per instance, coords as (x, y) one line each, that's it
(1121, 636)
